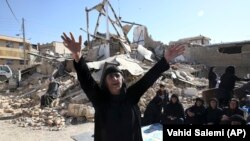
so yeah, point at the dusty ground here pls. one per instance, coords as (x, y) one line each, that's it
(10, 132)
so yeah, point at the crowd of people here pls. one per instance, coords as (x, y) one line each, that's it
(224, 110)
(199, 113)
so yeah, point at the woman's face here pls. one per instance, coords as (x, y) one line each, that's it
(114, 82)
(213, 104)
(174, 99)
(198, 103)
(233, 105)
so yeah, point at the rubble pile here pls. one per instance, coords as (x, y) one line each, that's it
(40, 118)
(186, 95)
(10, 105)
(81, 110)
(23, 104)
(25, 112)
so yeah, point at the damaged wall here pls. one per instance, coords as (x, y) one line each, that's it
(214, 56)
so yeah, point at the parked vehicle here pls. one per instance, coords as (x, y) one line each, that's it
(5, 72)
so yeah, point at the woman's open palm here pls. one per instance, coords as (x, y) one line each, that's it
(72, 45)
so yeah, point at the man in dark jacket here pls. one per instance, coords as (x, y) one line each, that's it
(117, 116)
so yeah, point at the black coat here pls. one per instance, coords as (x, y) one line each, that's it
(153, 113)
(199, 117)
(165, 97)
(212, 78)
(117, 117)
(228, 81)
(229, 112)
(229, 78)
(174, 110)
(213, 115)
(53, 89)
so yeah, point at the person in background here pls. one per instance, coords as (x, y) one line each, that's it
(163, 94)
(117, 115)
(237, 120)
(233, 109)
(173, 111)
(213, 112)
(51, 94)
(227, 84)
(212, 78)
(19, 77)
(196, 113)
(153, 112)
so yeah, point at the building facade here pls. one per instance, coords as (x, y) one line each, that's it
(56, 48)
(13, 53)
(199, 40)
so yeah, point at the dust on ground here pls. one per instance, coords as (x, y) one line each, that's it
(10, 132)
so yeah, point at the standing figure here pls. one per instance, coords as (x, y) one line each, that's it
(212, 78)
(19, 77)
(227, 85)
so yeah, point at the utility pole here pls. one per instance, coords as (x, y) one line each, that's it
(87, 19)
(107, 48)
(24, 44)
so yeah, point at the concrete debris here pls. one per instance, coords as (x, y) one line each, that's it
(22, 106)
(81, 110)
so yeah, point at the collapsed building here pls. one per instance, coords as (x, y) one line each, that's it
(200, 51)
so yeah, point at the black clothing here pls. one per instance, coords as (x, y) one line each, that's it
(174, 111)
(117, 117)
(238, 118)
(212, 78)
(51, 94)
(53, 89)
(165, 96)
(153, 113)
(227, 85)
(228, 81)
(229, 112)
(213, 115)
(199, 117)
(46, 100)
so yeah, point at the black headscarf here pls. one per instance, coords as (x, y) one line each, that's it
(109, 70)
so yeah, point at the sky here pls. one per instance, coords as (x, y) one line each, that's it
(166, 20)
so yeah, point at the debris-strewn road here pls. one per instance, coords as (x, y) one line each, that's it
(10, 132)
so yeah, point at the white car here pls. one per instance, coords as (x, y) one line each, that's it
(6, 71)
